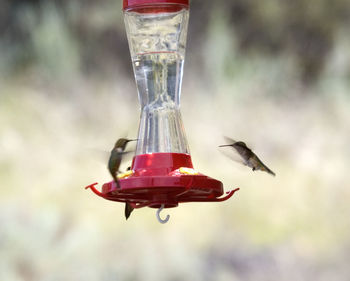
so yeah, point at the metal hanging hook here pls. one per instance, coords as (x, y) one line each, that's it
(158, 215)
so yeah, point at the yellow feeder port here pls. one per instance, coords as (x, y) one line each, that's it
(125, 175)
(187, 171)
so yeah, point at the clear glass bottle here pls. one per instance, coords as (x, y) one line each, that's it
(157, 38)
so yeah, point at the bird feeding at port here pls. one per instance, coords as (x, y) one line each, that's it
(162, 174)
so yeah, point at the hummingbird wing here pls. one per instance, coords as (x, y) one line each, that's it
(125, 153)
(232, 153)
(126, 156)
(229, 140)
(232, 141)
(244, 151)
(100, 155)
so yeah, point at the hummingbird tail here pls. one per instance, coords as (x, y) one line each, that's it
(271, 172)
(128, 210)
(266, 169)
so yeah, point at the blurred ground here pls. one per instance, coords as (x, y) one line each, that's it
(63, 105)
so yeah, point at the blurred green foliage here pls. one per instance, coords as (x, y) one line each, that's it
(272, 73)
(61, 36)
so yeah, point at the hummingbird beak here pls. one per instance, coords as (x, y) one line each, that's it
(225, 145)
(134, 140)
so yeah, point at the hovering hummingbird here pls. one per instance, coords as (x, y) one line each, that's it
(248, 156)
(113, 166)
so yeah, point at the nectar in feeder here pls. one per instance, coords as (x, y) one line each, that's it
(162, 174)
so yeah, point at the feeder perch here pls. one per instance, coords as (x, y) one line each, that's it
(162, 174)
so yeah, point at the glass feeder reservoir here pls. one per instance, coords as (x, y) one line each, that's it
(162, 174)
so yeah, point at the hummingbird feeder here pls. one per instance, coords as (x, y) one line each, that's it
(162, 174)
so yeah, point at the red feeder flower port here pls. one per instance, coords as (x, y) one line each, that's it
(162, 174)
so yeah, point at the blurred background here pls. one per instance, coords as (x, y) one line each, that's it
(275, 74)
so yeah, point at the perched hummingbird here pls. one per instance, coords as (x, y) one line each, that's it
(116, 157)
(113, 166)
(248, 156)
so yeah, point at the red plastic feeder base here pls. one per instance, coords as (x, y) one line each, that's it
(163, 178)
